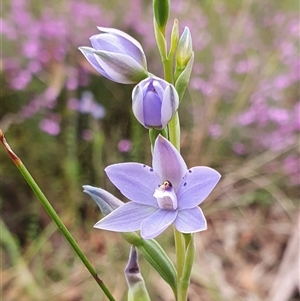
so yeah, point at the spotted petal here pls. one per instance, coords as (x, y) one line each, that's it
(198, 183)
(126, 218)
(135, 181)
(190, 220)
(167, 162)
(156, 223)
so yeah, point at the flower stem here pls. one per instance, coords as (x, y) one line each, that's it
(179, 244)
(174, 137)
(50, 210)
(189, 257)
(174, 131)
(174, 125)
(167, 64)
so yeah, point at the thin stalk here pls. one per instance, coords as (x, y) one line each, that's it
(50, 210)
(174, 125)
(167, 64)
(188, 265)
(180, 252)
(174, 137)
(174, 131)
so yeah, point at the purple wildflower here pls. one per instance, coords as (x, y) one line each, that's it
(124, 146)
(154, 102)
(165, 194)
(215, 130)
(117, 56)
(51, 125)
(87, 105)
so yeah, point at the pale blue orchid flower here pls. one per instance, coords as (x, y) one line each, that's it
(117, 56)
(154, 102)
(166, 193)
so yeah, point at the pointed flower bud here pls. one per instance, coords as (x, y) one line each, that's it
(183, 78)
(117, 56)
(105, 200)
(184, 62)
(137, 290)
(174, 37)
(184, 51)
(161, 9)
(154, 101)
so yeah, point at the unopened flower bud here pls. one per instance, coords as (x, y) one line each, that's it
(174, 36)
(184, 50)
(161, 9)
(117, 56)
(184, 62)
(137, 290)
(154, 101)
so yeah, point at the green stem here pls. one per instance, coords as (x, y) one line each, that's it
(174, 131)
(50, 210)
(174, 137)
(187, 269)
(167, 63)
(180, 251)
(174, 125)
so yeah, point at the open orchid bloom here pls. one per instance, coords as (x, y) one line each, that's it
(117, 56)
(166, 193)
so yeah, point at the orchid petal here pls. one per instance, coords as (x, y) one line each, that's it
(117, 56)
(88, 52)
(169, 105)
(197, 184)
(135, 181)
(151, 108)
(105, 200)
(120, 67)
(126, 218)
(167, 162)
(137, 104)
(116, 44)
(190, 220)
(157, 223)
(159, 86)
(127, 37)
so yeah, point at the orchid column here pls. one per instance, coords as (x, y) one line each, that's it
(168, 192)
